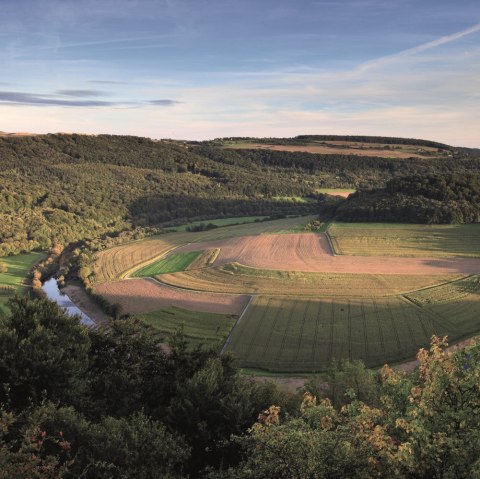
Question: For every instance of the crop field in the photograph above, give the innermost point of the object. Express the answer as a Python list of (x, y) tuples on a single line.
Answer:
[(311, 252), (306, 335), (238, 279), (391, 239), (170, 264), (344, 148), (144, 295), (12, 281), (207, 328), (114, 263), (300, 305), (205, 259)]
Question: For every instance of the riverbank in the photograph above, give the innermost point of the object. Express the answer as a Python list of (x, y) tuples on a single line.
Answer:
[(85, 303)]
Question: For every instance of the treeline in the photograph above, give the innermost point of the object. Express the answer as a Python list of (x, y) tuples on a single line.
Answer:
[(386, 140), (108, 404), (417, 199), (59, 189), (304, 139)]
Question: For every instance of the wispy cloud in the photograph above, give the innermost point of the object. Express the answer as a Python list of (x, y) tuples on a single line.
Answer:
[(80, 93), (58, 99), (20, 98), (108, 82), (419, 48), (163, 102)]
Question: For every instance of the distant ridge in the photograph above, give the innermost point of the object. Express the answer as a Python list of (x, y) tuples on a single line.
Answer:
[(20, 133)]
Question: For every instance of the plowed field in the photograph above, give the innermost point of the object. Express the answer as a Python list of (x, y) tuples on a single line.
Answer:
[(145, 295), (310, 252)]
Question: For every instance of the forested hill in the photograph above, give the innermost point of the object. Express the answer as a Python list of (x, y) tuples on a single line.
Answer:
[(431, 199), (65, 187)]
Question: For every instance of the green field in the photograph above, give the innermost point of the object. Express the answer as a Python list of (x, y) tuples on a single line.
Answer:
[(305, 335), (13, 280), (222, 222), (207, 328), (170, 264), (396, 239)]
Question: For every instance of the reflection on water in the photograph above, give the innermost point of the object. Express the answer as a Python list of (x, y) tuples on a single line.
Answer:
[(54, 294)]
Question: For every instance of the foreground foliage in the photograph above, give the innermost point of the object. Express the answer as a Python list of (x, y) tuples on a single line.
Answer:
[(110, 404)]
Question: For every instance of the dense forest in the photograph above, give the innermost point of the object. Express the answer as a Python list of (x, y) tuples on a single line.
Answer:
[(58, 189), (427, 199), (110, 404)]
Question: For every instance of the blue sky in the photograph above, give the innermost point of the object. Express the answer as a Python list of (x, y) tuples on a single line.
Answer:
[(209, 68)]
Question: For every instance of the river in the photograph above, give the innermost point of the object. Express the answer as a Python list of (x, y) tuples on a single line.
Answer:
[(54, 294)]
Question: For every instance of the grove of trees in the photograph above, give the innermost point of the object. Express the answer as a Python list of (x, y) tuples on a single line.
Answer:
[(108, 403)]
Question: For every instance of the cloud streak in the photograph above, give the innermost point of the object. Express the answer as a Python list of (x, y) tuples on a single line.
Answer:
[(80, 93), (20, 98), (444, 40), (58, 99), (163, 102)]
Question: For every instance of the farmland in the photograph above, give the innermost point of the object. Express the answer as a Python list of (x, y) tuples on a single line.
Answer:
[(343, 147), (208, 328), (392, 239), (292, 335), (13, 280), (170, 264), (116, 262), (238, 279), (300, 305), (146, 295)]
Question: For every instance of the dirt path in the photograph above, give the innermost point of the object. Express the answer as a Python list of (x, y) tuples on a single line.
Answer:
[(310, 252)]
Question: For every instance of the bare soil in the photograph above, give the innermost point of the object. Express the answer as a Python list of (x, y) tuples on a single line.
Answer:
[(84, 302), (311, 252), (145, 295)]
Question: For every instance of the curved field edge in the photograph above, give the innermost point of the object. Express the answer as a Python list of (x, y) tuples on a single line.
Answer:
[(305, 335), (146, 294), (167, 264), (120, 261), (238, 279), (398, 239)]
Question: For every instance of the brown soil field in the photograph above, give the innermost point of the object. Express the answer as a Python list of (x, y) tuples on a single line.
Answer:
[(343, 194), (310, 252), (145, 295), (332, 149), (114, 263)]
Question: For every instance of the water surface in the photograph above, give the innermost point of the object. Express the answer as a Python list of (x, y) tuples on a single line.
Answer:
[(54, 294)]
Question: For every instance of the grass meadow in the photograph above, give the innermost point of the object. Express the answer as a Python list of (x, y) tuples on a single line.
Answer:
[(208, 328), (12, 282)]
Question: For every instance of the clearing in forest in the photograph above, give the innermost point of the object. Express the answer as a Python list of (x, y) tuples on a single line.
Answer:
[(345, 148), (13, 281)]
